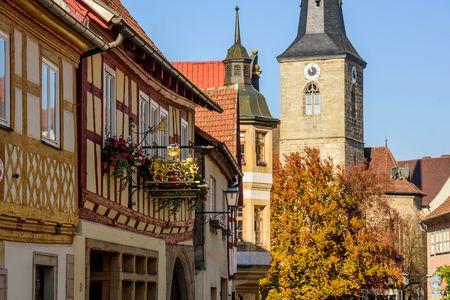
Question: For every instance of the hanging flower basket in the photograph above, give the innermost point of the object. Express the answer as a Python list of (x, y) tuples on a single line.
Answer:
[(123, 158)]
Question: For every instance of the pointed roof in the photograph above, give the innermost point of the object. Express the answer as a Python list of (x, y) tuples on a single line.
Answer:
[(321, 32), (380, 161), (237, 51)]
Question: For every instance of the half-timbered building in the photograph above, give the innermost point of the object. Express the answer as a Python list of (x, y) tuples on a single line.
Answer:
[(39, 55), (130, 243)]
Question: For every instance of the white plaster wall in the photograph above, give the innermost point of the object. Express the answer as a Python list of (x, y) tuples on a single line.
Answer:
[(69, 131), (19, 263), (33, 117), (68, 81), (443, 194), (18, 52), (257, 195), (255, 177), (216, 261), (18, 111), (109, 234), (33, 60)]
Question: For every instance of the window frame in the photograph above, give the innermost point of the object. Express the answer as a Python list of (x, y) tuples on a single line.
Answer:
[(242, 136), (312, 100), (259, 162), (163, 134), (144, 120), (184, 139), (46, 260), (7, 88), (113, 102), (51, 65), (258, 224)]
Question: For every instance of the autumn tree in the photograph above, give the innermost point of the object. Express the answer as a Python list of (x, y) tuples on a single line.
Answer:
[(332, 231)]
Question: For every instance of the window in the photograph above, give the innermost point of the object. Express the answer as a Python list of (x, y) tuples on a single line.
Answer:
[(4, 80), (109, 95), (237, 70), (440, 241), (228, 70), (312, 100), (50, 103), (260, 149), (45, 270), (239, 229), (247, 70), (154, 117), (184, 138), (243, 148), (432, 244), (258, 224), (164, 131), (212, 194), (145, 123)]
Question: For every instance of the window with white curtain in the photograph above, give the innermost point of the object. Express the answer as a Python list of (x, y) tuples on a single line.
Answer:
[(4, 80), (50, 103), (109, 101), (145, 122), (184, 138)]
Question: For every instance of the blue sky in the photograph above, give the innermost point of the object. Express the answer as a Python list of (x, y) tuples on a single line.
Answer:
[(406, 44)]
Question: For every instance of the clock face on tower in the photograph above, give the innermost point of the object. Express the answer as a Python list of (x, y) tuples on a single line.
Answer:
[(354, 74), (312, 71)]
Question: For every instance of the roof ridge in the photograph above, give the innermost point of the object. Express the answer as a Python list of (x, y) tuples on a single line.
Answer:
[(196, 62)]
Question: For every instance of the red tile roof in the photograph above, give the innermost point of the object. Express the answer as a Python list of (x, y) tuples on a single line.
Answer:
[(442, 210), (381, 161), (429, 174), (205, 74), (225, 126)]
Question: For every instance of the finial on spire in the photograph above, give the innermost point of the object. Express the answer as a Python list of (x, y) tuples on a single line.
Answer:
[(386, 142), (237, 30)]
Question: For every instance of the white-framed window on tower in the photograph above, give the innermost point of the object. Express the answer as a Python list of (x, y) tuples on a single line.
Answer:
[(312, 100), (184, 138), (4, 80), (50, 103), (109, 100), (145, 120)]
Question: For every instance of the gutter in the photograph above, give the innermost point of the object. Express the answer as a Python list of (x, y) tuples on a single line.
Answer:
[(63, 15), (124, 31), (231, 159)]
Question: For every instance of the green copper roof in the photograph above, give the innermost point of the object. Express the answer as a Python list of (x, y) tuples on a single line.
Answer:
[(253, 106), (237, 51)]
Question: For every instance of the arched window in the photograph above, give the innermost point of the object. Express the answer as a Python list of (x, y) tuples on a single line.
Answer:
[(237, 70), (246, 70), (228, 70), (353, 103), (312, 100)]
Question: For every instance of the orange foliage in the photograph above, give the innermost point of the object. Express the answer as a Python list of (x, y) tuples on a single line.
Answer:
[(332, 231)]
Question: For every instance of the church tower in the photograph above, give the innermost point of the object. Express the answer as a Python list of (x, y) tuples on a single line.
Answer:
[(321, 85)]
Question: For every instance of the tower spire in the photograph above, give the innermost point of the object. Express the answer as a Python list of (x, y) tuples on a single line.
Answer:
[(321, 32), (237, 29)]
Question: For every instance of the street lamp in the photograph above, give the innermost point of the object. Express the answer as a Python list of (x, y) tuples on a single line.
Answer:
[(232, 196)]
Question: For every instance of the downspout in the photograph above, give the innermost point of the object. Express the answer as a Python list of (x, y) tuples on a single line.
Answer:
[(63, 15)]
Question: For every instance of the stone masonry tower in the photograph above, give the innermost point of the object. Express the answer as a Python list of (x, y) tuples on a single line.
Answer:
[(322, 87)]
